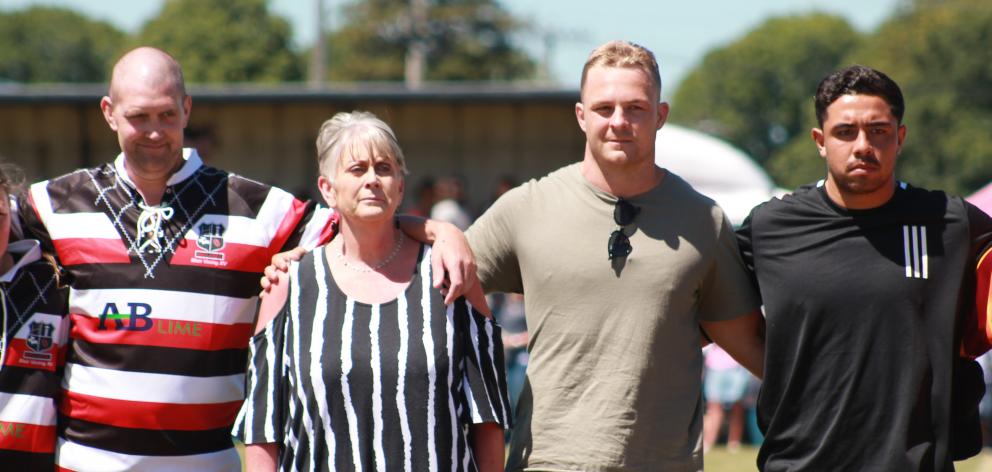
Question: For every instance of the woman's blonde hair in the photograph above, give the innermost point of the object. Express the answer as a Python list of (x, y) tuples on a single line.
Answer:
[(354, 133)]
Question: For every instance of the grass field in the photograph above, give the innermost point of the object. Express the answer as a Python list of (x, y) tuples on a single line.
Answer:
[(719, 460)]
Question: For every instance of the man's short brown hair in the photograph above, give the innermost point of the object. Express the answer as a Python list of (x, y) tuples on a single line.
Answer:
[(623, 54)]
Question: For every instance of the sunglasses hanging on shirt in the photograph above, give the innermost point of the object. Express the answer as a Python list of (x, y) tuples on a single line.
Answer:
[(624, 213)]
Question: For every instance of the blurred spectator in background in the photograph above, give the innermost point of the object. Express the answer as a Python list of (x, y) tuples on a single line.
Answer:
[(201, 138), (508, 309), (725, 384), (450, 206), (503, 185), (424, 196)]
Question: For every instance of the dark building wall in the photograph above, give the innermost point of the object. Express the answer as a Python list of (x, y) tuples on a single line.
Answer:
[(270, 137)]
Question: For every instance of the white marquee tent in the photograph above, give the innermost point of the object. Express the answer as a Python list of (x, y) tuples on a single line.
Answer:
[(715, 169)]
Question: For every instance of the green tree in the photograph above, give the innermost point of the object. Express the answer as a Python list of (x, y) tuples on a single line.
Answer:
[(225, 40), (937, 50), (755, 92), (939, 54), (43, 44), (463, 39)]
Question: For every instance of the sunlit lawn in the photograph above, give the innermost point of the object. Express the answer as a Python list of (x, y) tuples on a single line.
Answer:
[(719, 460)]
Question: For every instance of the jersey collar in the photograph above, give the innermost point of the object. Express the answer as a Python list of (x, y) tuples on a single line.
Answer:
[(191, 164), (29, 251)]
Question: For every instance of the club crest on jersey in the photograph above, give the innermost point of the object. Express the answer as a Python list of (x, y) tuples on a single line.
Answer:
[(40, 340), (209, 244)]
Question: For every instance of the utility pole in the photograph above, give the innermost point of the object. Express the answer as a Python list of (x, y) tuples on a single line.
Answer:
[(416, 51), (318, 59)]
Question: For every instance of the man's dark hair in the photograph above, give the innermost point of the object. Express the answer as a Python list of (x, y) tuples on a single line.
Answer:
[(858, 80)]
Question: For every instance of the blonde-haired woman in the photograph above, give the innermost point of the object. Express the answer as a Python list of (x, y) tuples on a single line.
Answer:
[(358, 364)]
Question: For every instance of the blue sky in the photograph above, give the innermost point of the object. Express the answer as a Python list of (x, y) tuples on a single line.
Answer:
[(679, 32)]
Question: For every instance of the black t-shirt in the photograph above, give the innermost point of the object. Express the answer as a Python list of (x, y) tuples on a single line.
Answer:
[(862, 311)]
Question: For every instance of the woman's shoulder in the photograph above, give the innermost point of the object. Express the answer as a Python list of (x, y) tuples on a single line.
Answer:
[(273, 299)]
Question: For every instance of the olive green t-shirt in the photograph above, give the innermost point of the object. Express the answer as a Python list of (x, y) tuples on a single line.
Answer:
[(614, 376)]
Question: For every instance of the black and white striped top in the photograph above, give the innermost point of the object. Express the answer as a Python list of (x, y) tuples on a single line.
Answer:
[(343, 385)]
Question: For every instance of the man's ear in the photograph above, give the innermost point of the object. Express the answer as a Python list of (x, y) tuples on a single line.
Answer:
[(818, 137), (187, 108), (580, 115), (902, 137), (663, 109), (107, 107)]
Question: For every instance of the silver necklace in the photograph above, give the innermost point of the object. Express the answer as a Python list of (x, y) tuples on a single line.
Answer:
[(368, 268)]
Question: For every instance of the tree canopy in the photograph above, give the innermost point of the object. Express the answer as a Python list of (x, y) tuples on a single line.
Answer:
[(758, 91), (46, 44), (464, 40), (939, 54), (224, 40)]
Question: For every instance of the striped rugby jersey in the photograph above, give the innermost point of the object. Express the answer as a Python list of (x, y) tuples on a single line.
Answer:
[(162, 303), (35, 329), (344, 385)]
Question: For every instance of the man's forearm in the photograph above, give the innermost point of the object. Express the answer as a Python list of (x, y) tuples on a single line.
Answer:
[(452, 262), (418, 228), (743, 338)]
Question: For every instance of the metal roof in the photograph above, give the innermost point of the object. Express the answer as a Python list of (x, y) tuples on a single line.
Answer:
[(297, 92)]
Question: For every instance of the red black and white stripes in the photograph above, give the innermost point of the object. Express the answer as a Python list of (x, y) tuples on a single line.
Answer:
[(162, 303), (35, 330)]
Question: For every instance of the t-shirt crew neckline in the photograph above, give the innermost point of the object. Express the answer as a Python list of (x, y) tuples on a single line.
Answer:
[(336, 289), (612, 199), (896, 196)]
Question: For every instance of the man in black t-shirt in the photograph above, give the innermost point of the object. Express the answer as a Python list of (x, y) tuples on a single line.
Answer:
[(869, 289)]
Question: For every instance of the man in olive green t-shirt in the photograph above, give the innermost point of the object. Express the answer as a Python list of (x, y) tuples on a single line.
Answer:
[(621, 263)]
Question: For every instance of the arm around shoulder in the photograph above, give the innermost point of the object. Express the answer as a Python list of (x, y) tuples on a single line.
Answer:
[(743, 338), (452, 261)]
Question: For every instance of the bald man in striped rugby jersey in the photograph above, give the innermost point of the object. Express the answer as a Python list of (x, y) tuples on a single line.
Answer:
[(163, 255)]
